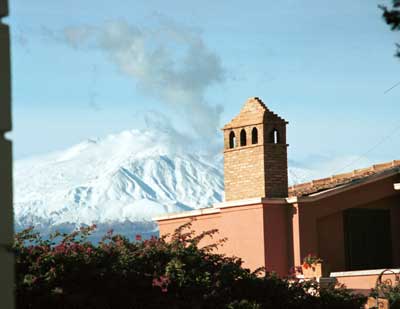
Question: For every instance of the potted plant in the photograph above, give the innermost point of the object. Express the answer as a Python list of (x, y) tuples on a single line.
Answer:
[(312, 266)]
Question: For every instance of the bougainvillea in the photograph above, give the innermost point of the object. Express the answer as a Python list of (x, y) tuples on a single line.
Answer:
[(67, 271)]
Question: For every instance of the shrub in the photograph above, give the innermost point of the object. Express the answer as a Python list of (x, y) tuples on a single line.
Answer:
[(389, 291), (67, 271)]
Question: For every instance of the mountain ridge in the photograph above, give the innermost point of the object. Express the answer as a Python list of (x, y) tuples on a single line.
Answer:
[(127, 177)]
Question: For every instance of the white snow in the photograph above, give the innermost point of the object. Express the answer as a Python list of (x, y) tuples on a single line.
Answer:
[(126, 177), (130, 176)]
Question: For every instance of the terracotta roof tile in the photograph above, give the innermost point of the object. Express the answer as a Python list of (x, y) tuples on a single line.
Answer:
[(323, 184)]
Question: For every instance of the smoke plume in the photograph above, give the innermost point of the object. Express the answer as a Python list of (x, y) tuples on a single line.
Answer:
[(170, 63)]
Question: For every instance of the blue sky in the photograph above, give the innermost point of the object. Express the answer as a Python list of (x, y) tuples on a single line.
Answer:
[(323, 67)]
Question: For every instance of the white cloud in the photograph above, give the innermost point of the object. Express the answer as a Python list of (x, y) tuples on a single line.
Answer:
[(170, 63)]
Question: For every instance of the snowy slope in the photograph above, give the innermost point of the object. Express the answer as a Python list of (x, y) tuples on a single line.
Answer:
[(129, 176), (120, 179)]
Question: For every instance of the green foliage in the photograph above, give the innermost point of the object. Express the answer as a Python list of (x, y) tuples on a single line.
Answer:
[(243, 304), (340, 297), (311, 259), (67, 271), (389, 291), (392, 18)]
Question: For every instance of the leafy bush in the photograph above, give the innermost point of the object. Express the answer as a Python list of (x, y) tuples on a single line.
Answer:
[(67, 271), (389, 291)]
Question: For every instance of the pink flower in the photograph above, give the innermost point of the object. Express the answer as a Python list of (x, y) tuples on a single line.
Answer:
[(161, 282), (138, 237), (59, 248), (156, 282)]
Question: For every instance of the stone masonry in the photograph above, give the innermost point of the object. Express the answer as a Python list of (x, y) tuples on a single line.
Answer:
[(258, 168), (6, 210)]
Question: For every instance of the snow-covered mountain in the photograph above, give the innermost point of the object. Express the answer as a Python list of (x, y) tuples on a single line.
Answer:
[(127, 177), (120, 181)]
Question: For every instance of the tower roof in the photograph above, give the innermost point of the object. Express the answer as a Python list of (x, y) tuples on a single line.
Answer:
[(253, 112)]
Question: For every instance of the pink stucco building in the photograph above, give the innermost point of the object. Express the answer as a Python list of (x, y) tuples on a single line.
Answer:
[(350, 220)]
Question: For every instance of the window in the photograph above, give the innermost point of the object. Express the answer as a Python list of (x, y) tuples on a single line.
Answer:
[(232, 140), (254, 136), (243, 137), (275, 136)]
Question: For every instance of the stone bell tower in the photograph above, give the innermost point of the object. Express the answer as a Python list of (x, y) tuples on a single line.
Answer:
[(255, 153)]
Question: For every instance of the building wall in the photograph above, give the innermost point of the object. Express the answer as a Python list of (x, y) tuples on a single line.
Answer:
[(256, 233), (331, 241), (278, 235), (320, 224), (294, 235), (255, 170), (276, 238), (364, 281), (242, 226), (276, 170), (6, 210), (244, 172)]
